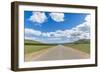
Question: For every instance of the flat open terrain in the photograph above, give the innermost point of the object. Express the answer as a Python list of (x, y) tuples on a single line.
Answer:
[(58, 52), (36, 51), (35, 48), (82, 47)]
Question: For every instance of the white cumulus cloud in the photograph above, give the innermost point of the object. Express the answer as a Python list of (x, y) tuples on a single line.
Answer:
[(58, 17), (32, 32), (81, 31), (88, 19), (38, 17)]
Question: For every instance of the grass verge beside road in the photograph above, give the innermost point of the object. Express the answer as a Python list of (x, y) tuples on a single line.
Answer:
[(35, 48), (82, 47)]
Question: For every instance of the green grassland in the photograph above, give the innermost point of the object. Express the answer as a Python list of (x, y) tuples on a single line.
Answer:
[(34, 46), (81, 46)]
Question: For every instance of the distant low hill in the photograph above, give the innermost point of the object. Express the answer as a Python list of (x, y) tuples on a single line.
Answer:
[(82, 41), (31, 42)]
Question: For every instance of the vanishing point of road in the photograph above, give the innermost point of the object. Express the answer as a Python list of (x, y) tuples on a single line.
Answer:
[(59, 52)]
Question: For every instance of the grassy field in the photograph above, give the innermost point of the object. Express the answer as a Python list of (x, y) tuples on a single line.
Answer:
[(82, 47), (35, 48)]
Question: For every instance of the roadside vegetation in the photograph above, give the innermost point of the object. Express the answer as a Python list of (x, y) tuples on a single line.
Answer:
[(82, 45), (34, 46)]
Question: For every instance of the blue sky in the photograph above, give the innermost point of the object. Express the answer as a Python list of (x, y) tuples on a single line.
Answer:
[(51, 27)]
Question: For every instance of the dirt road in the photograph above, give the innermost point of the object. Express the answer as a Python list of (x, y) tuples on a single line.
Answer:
[(59, 52)]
